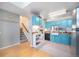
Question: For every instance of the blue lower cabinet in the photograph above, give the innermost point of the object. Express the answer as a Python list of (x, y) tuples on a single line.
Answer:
[(61, 38)]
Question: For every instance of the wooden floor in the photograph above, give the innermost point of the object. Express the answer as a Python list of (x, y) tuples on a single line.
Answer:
[(58, 50), (22, 50)]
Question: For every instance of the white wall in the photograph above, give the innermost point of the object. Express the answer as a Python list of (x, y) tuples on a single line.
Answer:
[(9, 29), (30, 28)]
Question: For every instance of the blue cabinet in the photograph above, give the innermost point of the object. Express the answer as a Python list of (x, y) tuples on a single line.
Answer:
[(61, 38), (36, 20), (63, 23)]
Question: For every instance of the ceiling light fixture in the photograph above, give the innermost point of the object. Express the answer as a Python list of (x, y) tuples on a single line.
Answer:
[(57, 13)]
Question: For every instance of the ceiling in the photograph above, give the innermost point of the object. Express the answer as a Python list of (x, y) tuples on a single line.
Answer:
[(42, 8)]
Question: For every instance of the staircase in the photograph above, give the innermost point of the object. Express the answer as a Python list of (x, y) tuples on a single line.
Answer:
[(23, 38)]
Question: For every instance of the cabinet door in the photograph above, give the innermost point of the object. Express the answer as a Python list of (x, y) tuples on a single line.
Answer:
[(36, 20)]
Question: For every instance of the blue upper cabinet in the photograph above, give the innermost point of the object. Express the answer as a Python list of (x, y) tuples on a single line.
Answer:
[(63, 23), (36, 20)]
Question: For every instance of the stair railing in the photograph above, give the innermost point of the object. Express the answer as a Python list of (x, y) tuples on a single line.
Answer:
[(25, 27), (27, 32)]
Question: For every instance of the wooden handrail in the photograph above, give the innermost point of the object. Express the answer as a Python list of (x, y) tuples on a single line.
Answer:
[(24, 27)]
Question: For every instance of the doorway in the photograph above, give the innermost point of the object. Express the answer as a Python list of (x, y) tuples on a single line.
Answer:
[(23, 29)]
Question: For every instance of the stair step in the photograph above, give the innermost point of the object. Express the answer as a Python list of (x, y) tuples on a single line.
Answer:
[(24, 41), (23, 38), (22, 35)]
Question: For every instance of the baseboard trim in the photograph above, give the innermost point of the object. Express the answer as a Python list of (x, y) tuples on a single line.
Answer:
[(9, 46)]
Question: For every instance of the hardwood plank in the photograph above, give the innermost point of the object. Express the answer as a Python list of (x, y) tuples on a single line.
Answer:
[(22, 50)]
